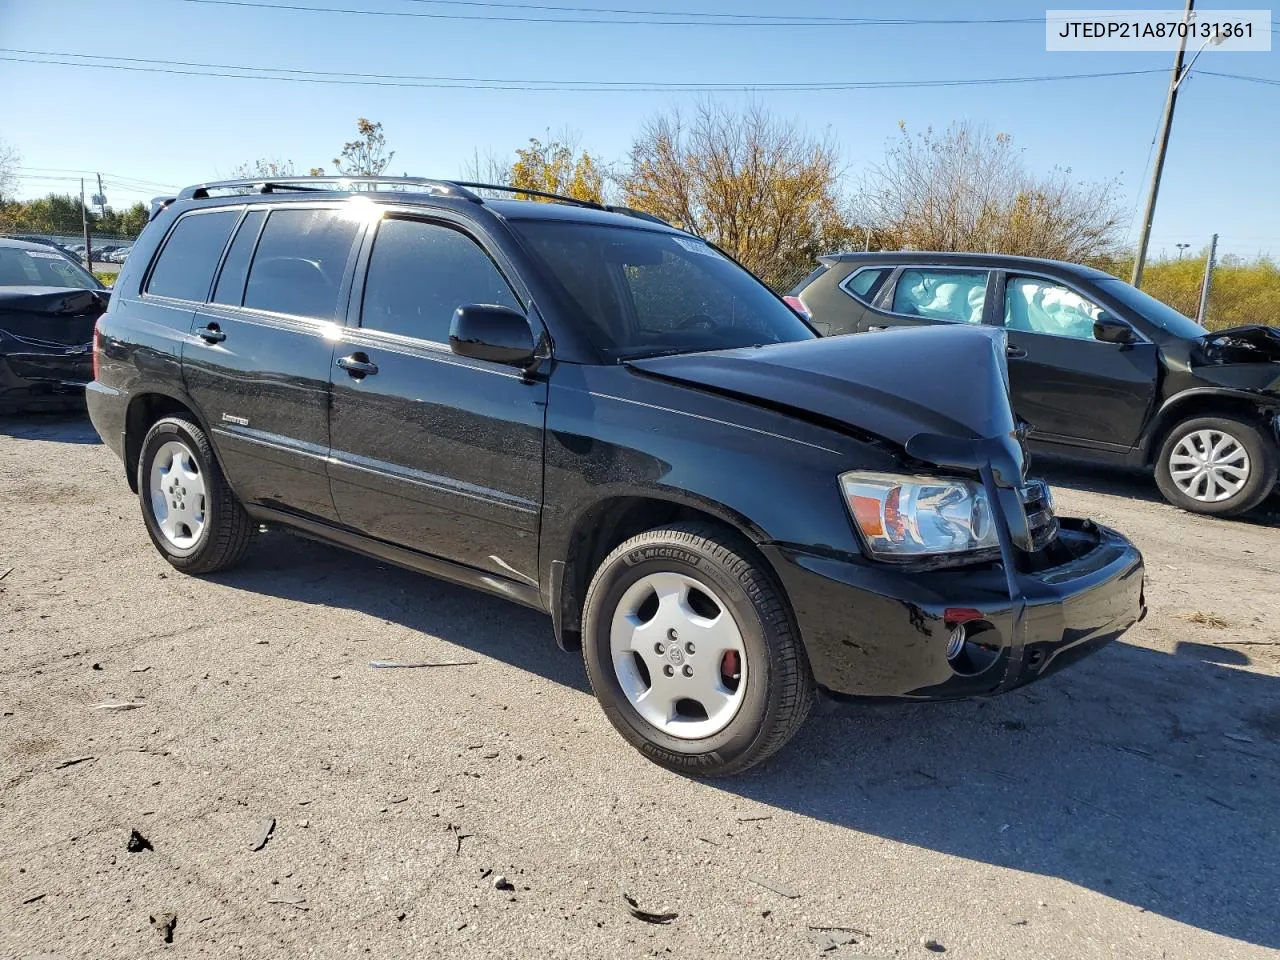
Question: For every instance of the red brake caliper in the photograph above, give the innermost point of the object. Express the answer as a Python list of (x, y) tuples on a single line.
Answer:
[(729, 667)]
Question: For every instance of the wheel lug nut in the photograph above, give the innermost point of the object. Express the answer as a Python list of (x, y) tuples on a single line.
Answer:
[(669, 670), (672, 635), (659, 649), (688, 648), (688, 670)]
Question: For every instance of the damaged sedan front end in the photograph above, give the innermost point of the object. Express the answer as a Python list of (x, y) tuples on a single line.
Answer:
[(48, 308)]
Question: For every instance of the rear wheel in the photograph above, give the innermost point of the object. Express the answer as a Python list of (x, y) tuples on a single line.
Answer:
[(193, 518), (1217, 466), (692, 653)]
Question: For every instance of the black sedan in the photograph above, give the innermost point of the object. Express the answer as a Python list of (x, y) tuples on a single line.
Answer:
[(1100, 370), (48, 307)]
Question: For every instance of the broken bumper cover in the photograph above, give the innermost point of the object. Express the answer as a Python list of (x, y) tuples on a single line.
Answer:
[(871, 630)]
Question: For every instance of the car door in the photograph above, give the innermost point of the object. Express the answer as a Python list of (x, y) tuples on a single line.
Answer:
[(431, 451), (258, 359), (1071, 388), (919, 296)]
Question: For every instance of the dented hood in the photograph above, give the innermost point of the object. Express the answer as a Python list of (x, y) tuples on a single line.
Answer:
[(941, 393), (57, 315), (1254, 343)]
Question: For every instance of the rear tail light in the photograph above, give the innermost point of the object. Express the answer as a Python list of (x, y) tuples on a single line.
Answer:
[(796, 304)]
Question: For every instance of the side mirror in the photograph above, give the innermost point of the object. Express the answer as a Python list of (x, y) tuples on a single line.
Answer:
[(486, 331), (1107, 329)]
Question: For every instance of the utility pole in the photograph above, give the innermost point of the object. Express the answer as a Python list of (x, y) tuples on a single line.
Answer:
[(866, 244), (1203, 313), (101, 198), (84, 225), (1166, 124)]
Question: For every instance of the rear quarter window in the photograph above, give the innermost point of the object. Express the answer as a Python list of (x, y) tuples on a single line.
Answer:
[(190, 255)]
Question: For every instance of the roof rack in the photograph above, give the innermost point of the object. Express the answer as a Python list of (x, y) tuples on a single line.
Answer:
[(462, 189), (325, 184)]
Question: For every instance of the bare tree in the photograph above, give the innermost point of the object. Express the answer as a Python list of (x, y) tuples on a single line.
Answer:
[(969, 190), (264, 169), (760, 187), (9, 160), (366, 156)]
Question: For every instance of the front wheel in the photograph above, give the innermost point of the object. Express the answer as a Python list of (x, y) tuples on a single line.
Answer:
[(1217, 466), (691, 650), (194, 519)]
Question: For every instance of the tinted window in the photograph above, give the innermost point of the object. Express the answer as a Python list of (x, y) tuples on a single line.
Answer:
[(42, 268), (420, 273), (300, 261), (1042, 306), (235, 269), (865, 283), (185, 268), (954, 295), (638, 292), (1153, 310)]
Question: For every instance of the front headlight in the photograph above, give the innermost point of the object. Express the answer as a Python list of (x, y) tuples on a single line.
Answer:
[(917, 517)]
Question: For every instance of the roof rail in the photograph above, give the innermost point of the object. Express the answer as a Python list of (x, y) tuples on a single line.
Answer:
[(507, 188), (201, 191), (462, 189)]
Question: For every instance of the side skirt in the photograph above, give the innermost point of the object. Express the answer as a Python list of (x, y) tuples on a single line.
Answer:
[(522, 593)]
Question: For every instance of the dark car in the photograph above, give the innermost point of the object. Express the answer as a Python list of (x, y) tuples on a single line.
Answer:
[(1101, 371), (48, 306), (593, 414)]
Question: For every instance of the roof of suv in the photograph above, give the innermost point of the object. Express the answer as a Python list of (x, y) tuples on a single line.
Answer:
[(425, 192), (989, 260)]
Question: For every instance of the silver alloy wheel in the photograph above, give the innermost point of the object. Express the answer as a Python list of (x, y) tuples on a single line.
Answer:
[(1209, 466), (679, 655), (177, 494)]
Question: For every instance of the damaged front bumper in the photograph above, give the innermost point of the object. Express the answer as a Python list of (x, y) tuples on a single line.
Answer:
[(873, 630)]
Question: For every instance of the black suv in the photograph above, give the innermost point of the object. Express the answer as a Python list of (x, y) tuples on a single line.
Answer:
[(1100, 370), (601, 417)]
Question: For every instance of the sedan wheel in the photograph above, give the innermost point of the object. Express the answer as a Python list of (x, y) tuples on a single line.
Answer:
[(1209, 465), (1217, 465)]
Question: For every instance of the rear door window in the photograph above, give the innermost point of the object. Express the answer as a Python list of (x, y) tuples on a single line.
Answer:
[(190, 255), (235, 270), (300, 261), (956, 296)]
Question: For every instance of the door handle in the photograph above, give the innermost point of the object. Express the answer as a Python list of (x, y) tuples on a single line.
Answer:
[(1014, 353), (876, 328), (358, 365), (212, 334)]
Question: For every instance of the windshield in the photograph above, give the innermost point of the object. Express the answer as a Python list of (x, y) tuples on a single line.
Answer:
[(640, 293), (20, 267), (1161, 314)]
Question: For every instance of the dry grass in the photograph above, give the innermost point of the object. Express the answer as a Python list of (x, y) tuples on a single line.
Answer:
[(1204, 619)]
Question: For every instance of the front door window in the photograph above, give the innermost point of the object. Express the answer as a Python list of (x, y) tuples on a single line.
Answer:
[(1042, 306)]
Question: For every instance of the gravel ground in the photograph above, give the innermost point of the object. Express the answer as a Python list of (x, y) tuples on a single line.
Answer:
[(1126, 807)]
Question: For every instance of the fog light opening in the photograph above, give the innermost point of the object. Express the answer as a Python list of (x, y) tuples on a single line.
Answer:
[(973, 646)]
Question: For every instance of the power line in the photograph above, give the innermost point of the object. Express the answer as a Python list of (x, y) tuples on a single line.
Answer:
[(1238, 76), (480, 83), (744, 20), (119, 177)]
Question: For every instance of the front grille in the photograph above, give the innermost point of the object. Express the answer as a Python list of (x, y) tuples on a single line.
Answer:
[(1037, 501)]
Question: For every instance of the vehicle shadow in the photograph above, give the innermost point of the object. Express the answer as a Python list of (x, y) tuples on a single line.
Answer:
[(1144, 776), (60, 427), (1131, 484)]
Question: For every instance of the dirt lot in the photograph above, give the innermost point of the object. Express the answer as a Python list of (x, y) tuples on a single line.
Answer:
[(1125, 808)]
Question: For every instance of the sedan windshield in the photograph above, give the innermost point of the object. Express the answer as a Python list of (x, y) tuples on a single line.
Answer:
[(20, 267), (1153, 310), (640, 293)]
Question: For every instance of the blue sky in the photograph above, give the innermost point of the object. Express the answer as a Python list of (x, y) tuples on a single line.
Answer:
[(173, 129)]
